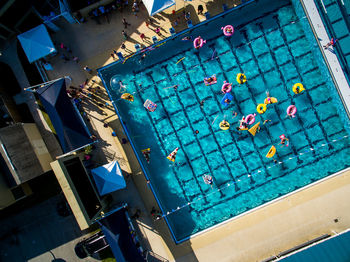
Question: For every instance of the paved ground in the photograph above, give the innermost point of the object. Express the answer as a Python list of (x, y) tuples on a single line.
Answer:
[(253, 236), (40, 234)]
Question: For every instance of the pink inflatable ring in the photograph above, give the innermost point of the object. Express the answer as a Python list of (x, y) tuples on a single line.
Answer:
[(250, 119), (226, 87), (198, 42), (228, 30), (291, 110)]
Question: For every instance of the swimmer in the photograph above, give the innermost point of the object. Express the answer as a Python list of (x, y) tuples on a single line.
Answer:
[(243, 123), (297, 89), (122, 87), (241, 78), (284, 140), (227, 101), (266, 121), (142, 57), (201, 103), (175, 87), (268, 97), (229, 30), (210, 79), (225, 88), (234, 114), (224, 123), (196, 132), (187, 38)]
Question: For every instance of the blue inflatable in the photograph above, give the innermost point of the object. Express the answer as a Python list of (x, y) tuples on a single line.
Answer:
[(227, 99)]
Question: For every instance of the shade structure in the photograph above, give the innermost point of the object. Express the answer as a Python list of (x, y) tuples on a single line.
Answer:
[(36, 43), (156, 6), (68, 124), (108, 178)]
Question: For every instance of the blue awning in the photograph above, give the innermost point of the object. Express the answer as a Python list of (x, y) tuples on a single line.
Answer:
[(156, 6), (120, 236), (69, 126), (108, 178), (36, 43)]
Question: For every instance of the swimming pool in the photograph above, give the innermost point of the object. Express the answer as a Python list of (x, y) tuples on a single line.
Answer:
[(274, 46)]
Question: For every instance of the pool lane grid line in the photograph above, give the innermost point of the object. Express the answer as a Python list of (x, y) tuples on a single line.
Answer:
[(252, 97), (253, 174), (210, 126), (176, 135), (192, 128), (290, 97), (163, 148), (301, 78)]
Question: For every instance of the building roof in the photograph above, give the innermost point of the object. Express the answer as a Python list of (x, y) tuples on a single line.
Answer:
[(19, 155), (69, 125)]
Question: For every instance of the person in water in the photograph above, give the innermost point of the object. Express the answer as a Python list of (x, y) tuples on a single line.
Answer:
[(227, 101), (225, 88), (268, 97), (241, 78), (210, 79), (284, 140), (224, 124), (187, 38)]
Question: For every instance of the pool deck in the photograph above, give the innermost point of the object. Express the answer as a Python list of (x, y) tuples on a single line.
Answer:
[(254, 236)]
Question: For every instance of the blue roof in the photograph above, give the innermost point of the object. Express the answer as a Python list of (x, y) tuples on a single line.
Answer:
[(335, 249), (36, 43), (69, 126), (108, 178), (117, 231), (156, 6)]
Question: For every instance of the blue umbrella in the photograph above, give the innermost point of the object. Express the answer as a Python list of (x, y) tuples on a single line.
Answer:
[(156, 6), (108, 178)]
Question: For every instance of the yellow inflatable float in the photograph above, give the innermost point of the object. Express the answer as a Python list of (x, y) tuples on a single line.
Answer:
[(224, 125), (128, 97), (270, 100), (298, 88), (261, 108), (241, 78), (271, 152)]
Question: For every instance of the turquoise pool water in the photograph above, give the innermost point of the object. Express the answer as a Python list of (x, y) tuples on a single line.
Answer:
[(275, 48)]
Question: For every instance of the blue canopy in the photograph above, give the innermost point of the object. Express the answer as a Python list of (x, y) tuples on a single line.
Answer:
[(108, 178), (120, 235), (156, 6), (69, 126), (36, 43)]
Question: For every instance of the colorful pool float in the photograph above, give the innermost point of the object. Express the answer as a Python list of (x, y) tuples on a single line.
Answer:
[(128, 97), (212, 82), (298, 88), (150, 106), (261, 108), (241, 78), (250, 119), (228, 30), (291, 110), (226, 87), (226, 100), (271, 152), (198, 42), (270, 100), (224, 125)]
